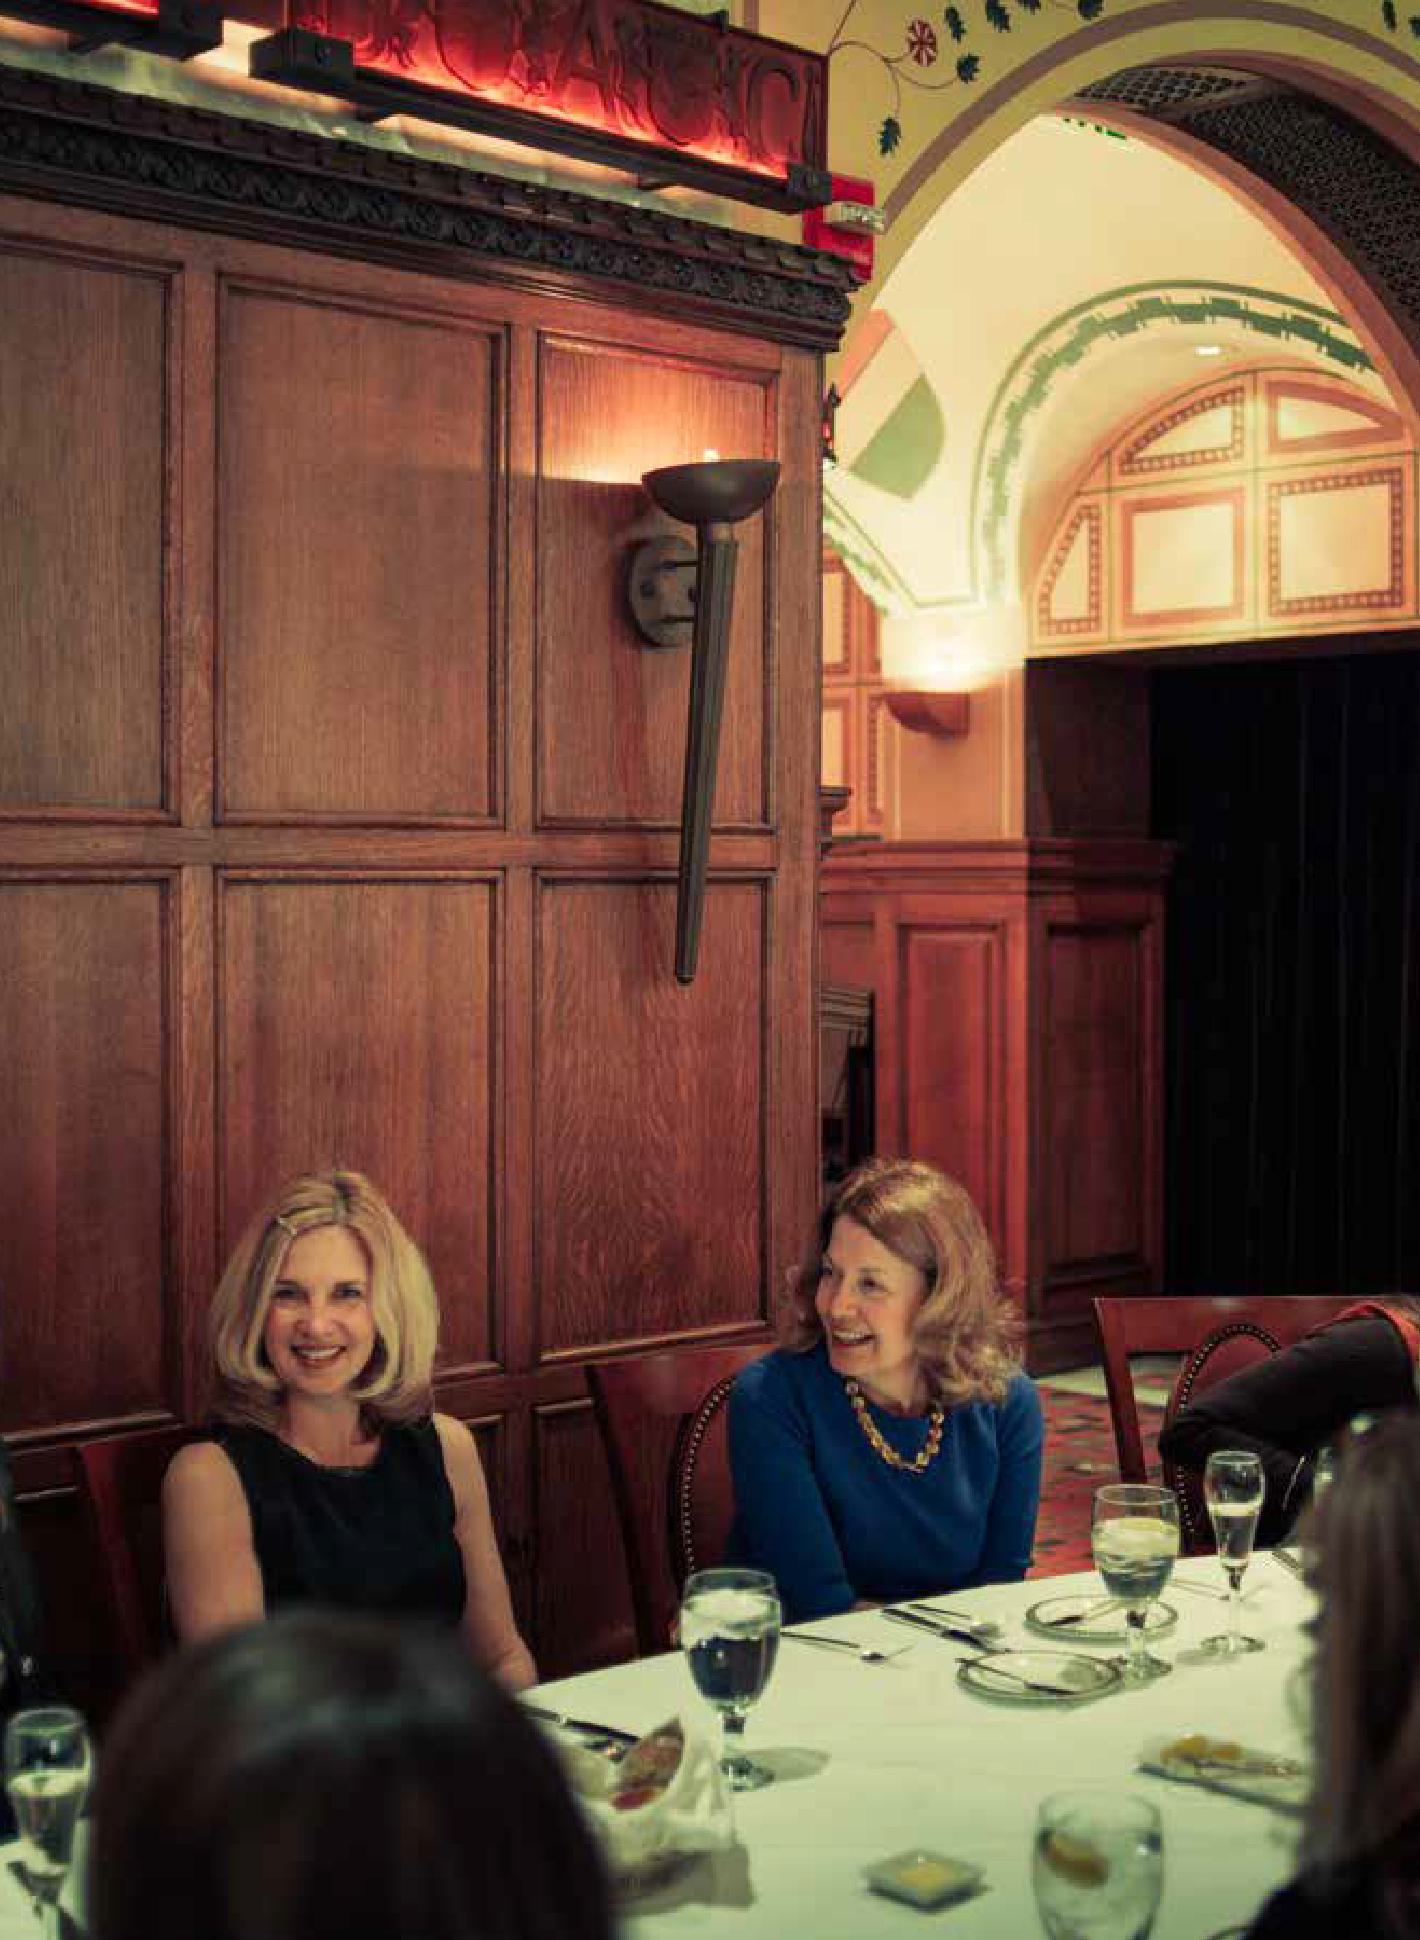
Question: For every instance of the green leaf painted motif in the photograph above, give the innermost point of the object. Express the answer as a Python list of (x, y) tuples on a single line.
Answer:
[(1388, 15), (1029, 6), (968, 67), (889, 135), (998, 16), (954, 23), (1089, 9)]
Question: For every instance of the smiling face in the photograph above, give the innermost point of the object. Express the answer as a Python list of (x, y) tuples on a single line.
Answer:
[(868, 1300), (320, 1327)]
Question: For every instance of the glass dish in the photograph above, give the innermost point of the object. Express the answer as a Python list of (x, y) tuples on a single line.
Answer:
[(1039, 1676), (1045, 1618)]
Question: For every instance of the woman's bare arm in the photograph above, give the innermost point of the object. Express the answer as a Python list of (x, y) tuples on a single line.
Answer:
[(214, 1579), (489, 1623)]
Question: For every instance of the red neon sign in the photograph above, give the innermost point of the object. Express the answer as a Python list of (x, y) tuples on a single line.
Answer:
[(593, 77)]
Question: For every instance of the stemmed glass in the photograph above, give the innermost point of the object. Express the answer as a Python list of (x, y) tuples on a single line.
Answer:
[(1135, 1541), (1233, 1488), (1097, 1866), (729, 1630), (47, 1760)]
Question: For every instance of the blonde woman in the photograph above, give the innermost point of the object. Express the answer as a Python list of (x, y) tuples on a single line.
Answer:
[(328, 1479), (1360, 1873), (891, 1448)]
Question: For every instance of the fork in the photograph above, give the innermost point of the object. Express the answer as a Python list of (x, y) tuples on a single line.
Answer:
[(863, 1652)]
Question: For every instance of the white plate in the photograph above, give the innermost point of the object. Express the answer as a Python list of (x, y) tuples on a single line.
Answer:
[(1039, 1676), (1108, 1629)]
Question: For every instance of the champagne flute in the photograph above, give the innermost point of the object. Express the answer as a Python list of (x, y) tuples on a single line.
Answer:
[(1097, 1866), (1135, 1540), (729, 1630), (1233, 1488), (47, 1761)]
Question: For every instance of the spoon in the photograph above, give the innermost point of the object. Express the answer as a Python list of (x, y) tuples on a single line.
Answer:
[(863, 1652)]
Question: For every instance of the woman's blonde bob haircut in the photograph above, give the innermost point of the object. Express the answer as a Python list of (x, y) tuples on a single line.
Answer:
[(1364, 1536), (966, 1330), (395, 1385)]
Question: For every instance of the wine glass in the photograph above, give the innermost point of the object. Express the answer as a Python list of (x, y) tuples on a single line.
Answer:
[(47, 1760), (1233, 1488), (1097, 1866), (1135, 1541), (729, 1630)]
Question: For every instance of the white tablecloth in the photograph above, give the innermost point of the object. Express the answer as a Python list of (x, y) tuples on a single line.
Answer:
[(876, 1759)]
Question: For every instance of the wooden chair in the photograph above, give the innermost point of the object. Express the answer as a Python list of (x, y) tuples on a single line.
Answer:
[(1215, 1337), (120, 1484), (663, 1426)]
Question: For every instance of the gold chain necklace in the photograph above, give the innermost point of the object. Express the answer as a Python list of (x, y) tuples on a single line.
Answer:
[(924, 1457)]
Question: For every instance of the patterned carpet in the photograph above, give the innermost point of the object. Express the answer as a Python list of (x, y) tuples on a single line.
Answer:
[(1079, 1458)]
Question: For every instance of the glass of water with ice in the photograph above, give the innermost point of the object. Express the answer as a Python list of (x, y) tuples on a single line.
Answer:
[(1134, 1536), (1097, 1866), (47, 1759), (1233, 1488), (729, 1631)]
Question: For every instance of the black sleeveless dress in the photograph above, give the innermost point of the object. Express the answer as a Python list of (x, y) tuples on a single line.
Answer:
[(377, 1539)]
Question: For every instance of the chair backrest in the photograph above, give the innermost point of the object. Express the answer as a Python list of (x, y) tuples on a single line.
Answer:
[(662, 1421), (120, 1483), (1215, 1337)]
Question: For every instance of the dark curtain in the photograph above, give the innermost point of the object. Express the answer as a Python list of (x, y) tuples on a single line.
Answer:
[(1292, 1145)]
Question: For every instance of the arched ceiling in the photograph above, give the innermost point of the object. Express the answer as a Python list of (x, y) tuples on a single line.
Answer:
[(1068, 282)]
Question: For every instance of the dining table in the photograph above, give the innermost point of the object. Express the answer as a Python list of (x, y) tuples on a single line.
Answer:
[(872, 1759)]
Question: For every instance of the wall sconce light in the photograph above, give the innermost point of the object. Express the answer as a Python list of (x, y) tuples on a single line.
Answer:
[(675, 589), (927, 712)]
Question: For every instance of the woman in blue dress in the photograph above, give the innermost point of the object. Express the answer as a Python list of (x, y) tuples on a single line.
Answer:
[(891, 1447)]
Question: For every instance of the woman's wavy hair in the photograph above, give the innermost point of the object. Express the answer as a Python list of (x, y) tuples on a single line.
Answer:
[(966, 1331), (322, 1776), (1364, 1539), (395, 1385)]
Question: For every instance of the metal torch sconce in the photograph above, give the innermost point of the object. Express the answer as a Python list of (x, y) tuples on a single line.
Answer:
[(677, 589)]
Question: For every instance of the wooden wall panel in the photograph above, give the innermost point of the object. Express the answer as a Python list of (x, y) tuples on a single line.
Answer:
[(358, 1030), (360, 555), (1018, 1046), (674, 1126), (611, 722), (1102, 1099), (84, 1276), (580, 1598), (84, 456), (952, 1000)]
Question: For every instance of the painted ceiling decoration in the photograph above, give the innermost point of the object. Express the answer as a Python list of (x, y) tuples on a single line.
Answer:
[(1054, 354), (937, 53), (1270, 501), (1039, 366), (893, 432)]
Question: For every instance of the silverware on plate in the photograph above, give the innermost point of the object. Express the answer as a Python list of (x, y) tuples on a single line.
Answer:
[(1018, 1678)]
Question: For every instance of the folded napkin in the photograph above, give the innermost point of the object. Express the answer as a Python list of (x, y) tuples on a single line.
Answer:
[(666, 1797)]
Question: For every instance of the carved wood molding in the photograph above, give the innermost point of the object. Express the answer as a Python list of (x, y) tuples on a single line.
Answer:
[(73, 142)]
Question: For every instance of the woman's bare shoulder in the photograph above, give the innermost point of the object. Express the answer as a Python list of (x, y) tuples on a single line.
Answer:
[(200, 1472)]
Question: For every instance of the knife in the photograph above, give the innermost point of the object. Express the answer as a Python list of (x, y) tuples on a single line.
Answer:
[(1027, 1683), (938, 1627), (585, 1727)]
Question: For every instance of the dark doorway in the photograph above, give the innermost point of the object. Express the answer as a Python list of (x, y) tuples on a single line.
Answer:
[(1293, 1056)]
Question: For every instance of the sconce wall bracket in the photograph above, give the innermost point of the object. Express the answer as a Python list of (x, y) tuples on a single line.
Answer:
[(661, 590)]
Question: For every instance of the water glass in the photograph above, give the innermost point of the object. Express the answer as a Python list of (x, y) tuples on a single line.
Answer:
[(1135, 1541), (729, 1630), (1233, 1488), (47, 1763), (1097, 1866)]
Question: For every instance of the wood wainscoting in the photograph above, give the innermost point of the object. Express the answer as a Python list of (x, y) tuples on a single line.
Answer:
[(338, 799), (1018, 1036)]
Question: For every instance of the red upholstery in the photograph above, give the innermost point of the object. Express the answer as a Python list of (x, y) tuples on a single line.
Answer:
[(120, 1483), (663, 1425)]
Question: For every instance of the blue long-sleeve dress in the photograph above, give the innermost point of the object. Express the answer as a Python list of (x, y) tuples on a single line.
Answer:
[(819, 1509)]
